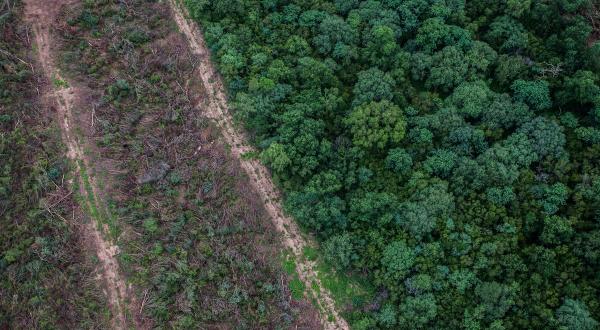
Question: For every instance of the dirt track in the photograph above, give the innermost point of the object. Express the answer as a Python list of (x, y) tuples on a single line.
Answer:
[(62, 97), (218, 110)]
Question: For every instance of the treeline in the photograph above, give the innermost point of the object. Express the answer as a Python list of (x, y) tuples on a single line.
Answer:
[(46, 277), (449, 151)]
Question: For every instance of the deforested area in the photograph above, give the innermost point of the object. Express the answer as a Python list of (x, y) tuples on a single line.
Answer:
[(47, 274), (445, 153), (194, 240)]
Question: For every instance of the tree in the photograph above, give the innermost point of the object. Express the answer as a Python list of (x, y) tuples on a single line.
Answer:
[(276, 157), (297, 46), (517, 8), (496, 298), (324, 214), (551, 198), (376, 125), (373, 85), (449, 69), (480, 56), (440, 163), (502, 162), (471, 98), (580, 88), (427, 204), (421, 136), (414, 218), (505, 114), (399, 161), (418, 284), (435, 34), (315, 73), (500, 196), (467, 141), (509, 68), (417, 312), (381, 46), (468, 176), (420, 65), (557, 230), (232, 63), (535, 94), (387, 316), (333, 30), (311, 19), (345, 54), (462, 279), (546, 135), (339, 251), (589, 135), (372, 208), (344, 6), (507, 34), (397, 261), (573, 315)]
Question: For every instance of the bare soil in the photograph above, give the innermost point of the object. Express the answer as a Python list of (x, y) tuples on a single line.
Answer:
[(216, 108), (63, 97)]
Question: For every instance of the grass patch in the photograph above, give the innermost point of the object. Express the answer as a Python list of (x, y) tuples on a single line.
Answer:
[(345, 289), (101, 216), (297, 288), (289, 265), (58, 82), (250, 155), (310, 253)]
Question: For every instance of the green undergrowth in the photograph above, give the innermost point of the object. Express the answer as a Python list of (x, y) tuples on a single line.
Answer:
[(58, 82), (98, 210), (297, 287), (46, 276), (349, 292)]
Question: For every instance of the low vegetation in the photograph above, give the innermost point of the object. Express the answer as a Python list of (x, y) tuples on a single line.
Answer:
[(47, 277), (195, 240)]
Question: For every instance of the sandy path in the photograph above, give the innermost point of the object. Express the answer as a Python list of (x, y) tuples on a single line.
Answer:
[(41, 15), (218, 110)]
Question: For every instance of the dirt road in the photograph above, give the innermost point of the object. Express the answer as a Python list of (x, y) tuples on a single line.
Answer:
[(62, 97), (218, 110)]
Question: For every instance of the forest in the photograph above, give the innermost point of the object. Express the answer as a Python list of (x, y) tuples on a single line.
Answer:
[(446, 151)]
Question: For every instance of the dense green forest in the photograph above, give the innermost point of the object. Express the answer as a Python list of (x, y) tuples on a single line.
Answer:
[(446, 150), (47, 280)]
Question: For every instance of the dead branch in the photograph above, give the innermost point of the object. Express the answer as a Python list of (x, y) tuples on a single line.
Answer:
[(60, 200), (17, 58)]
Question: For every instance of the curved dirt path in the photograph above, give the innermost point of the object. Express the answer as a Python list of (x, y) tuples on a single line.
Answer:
[(218, 110), (62, 97)]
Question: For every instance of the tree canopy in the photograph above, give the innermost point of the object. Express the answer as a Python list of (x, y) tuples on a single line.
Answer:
[(445, 151)]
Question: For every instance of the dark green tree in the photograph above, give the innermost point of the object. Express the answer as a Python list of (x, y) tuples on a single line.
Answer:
[(573, 314)]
